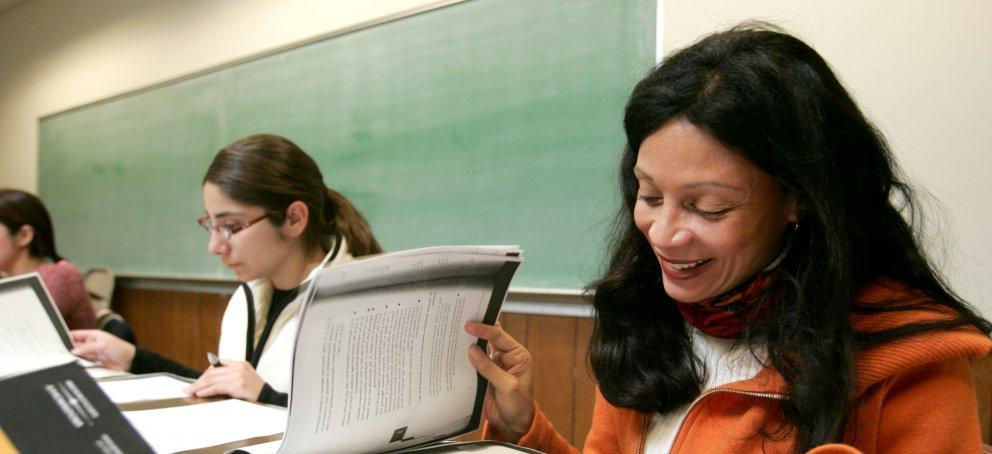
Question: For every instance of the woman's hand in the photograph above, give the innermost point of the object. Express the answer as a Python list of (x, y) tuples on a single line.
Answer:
[(232, 378), (103, 348), (509, 405)]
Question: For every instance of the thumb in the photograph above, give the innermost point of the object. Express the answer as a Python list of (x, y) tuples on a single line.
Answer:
[(85, 350)]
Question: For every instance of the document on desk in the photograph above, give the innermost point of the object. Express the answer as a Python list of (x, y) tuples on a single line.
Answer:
[(470, 447), (138, 388), (99, 373), (50, 404), (381, 359), (208, 424)]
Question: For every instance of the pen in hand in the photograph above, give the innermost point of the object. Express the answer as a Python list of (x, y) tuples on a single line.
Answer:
[(213, 360)]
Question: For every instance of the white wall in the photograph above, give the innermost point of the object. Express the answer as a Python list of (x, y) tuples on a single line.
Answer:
[(58, 54), (920, 69)]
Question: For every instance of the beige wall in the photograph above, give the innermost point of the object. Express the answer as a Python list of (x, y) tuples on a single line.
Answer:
[(920, 69), (58, 54)]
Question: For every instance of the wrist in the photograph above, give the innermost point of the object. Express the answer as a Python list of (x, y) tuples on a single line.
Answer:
[(130, 351), (515, 431)]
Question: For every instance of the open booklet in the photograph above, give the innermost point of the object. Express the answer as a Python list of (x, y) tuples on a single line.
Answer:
[(381, 360), (50, 403)]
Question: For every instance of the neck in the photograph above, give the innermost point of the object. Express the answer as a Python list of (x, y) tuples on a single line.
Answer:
[(25, 263), (297, 268), (728, 315)]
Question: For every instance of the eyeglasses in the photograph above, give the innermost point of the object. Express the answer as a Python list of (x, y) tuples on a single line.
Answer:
[(226, 231)]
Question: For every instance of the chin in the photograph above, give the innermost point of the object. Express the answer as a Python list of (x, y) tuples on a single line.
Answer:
[(686, 295), (242, 275)]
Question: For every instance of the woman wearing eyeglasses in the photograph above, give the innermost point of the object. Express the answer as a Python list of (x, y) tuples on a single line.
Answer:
[(274, 223)]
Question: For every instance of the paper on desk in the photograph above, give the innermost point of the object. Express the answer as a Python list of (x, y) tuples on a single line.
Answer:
[(487, 447), (272, 447), (202, 425), (143, 388), (99, 372)]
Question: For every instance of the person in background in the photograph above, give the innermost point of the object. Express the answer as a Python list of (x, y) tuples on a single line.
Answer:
[(765, 291), (274, 223), (27, 244)]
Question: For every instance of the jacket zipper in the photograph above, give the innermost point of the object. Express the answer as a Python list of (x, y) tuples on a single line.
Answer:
[(693, 405), (645, 422)]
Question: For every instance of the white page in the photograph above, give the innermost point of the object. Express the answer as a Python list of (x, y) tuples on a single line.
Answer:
[(468, 447), (99, 372), (410, 266), (142, 388), (385, 371), (198, 426), (28, 339)]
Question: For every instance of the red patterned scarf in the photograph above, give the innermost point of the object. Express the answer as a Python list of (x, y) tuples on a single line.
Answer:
[(726, 315)]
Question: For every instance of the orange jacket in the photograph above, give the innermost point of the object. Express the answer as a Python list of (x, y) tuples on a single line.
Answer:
[(913, 395)]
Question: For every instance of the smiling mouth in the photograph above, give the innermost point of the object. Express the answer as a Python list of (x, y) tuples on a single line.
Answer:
[(687, 266)]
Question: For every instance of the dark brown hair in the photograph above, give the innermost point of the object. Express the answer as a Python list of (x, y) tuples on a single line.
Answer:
[(271, 172), (19, 208)]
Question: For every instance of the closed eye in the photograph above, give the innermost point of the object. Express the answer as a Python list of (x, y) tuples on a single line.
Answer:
[(649, 199), (711, 214)]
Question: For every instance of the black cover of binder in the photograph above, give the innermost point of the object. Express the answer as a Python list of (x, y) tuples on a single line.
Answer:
[(61, 409)]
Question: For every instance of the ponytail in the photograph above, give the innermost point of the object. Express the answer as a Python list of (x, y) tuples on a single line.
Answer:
[(344, 218)]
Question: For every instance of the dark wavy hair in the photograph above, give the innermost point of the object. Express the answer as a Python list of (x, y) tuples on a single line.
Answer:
[(19, 208), (272, 172), (771, 98)]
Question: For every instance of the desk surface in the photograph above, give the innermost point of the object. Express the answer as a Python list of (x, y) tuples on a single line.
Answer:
[(184, 401), (170, 403)]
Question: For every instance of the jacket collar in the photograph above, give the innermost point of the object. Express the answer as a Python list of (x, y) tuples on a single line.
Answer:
[(873, 365)]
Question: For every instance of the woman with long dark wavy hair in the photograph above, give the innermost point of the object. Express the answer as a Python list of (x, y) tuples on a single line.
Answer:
[(766, 292)]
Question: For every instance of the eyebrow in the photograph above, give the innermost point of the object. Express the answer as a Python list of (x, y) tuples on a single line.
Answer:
[(225, 214), (694, 185), (719, 184)]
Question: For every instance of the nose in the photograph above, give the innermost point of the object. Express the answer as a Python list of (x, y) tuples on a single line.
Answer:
[(668, 230), (216, 245)]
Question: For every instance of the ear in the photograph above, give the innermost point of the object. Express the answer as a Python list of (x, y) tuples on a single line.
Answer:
[(24, 236), (297, 217)]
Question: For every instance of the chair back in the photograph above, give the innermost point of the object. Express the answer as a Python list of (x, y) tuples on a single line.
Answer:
[(99, 283)]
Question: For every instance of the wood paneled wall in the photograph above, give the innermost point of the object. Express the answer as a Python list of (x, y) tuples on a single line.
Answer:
[(182, 326), (563, 386), (185, 325)]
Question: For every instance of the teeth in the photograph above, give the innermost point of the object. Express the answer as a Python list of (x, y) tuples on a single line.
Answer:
[(686, 266)]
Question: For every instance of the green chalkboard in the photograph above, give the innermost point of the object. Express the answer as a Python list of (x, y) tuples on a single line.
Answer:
[(483, 122)]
